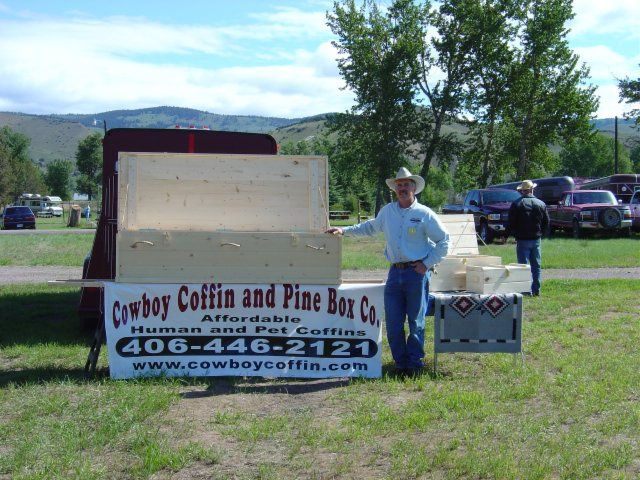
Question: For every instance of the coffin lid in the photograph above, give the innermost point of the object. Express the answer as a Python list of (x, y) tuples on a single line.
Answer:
[(222, 192)]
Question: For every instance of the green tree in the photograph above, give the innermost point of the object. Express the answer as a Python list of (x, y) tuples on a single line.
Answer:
[(548, 99), (378, 62), (634, 156), (89, 164), (437, 186), (58, 178), (593, 157), (20, 173), (492, 58), (630, 93), (295, 148), (449, 52)]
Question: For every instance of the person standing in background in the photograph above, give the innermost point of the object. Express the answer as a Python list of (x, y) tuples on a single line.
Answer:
[(528, 220)]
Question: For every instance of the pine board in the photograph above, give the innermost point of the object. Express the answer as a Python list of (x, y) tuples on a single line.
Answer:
[(228, 257)]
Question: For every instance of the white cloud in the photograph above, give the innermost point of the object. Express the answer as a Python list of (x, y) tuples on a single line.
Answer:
[(605, 64), (620, 17), (607, 67), (86, 65)]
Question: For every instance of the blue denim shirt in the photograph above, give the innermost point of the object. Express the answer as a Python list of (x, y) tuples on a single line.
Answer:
[(413, 233)]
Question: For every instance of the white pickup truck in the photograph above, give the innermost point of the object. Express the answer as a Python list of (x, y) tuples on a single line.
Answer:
[(634, 205)]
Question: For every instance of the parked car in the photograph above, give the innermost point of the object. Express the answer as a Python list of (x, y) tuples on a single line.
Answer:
[(18, 217), (579, 211), (490, 208)]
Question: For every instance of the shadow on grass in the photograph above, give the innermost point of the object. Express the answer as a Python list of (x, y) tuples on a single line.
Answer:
[(32, 317), (296, 386), (34, 376), (243, 385)]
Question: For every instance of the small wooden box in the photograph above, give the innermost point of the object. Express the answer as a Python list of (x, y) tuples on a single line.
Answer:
[(451, 273), (224, 218), (462, 233), (510, 278)]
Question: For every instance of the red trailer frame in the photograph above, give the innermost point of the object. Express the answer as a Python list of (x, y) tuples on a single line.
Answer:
[(100, 264)]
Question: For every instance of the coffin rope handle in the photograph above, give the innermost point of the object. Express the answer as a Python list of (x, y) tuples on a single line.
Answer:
[(146, 242), (229, 243), (314, 247)]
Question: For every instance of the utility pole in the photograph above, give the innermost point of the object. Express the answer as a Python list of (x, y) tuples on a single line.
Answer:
[(615, 148)]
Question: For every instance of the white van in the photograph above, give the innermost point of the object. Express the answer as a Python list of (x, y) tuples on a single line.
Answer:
[(42, 206)]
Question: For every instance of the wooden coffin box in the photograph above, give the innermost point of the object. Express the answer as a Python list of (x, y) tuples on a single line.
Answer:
[(224, 218), (510, 278), (462, 231), (451, 273)]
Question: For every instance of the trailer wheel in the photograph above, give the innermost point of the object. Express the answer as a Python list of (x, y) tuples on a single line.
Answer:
[(576, 229)]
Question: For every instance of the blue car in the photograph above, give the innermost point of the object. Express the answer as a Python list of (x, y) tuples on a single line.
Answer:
[(18, 217)]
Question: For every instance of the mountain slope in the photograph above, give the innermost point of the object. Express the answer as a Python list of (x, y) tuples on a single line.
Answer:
[(51, 138), (167, 117), (57, 136)]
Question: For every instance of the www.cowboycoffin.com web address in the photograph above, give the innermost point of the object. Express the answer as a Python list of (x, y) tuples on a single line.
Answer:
[(247, 365)]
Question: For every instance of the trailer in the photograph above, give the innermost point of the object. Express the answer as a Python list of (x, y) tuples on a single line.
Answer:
[(101, 263), (622, 185), (549, 189)]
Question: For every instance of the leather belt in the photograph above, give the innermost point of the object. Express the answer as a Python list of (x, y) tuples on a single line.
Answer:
[(402, 265)]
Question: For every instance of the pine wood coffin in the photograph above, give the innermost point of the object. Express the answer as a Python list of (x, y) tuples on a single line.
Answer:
[(510, 278), (451, 273), (224, 218)]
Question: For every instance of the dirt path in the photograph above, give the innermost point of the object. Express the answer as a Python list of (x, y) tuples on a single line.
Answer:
[(45, 273)]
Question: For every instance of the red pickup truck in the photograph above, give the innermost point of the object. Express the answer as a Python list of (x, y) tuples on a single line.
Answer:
[(579, 211)]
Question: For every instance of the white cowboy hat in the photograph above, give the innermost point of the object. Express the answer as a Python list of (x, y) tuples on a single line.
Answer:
[(403, 174), (527, 185)]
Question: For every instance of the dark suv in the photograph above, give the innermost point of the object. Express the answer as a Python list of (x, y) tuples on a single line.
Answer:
[(18, 217)]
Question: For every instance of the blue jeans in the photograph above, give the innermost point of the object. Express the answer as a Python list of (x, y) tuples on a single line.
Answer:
[(405, 297), (528, 251)]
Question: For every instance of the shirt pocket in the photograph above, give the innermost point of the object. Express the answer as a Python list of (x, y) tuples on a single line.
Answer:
[(415, 233)]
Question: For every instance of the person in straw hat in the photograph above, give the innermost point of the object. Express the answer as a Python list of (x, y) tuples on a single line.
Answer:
[(416, 241), (528, 220)]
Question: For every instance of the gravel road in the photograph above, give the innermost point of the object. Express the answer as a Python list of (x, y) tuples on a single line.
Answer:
[(44, 274)]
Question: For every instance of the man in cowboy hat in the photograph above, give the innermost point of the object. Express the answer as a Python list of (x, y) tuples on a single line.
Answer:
[(416, 240), (528, 220)]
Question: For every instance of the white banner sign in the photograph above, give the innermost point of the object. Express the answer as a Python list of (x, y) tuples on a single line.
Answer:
[(307, 331)]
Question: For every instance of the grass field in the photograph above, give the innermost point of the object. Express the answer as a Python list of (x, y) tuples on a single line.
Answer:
[(570, 411), (28, 250), (358, 253), (368, 252), (58, 223)]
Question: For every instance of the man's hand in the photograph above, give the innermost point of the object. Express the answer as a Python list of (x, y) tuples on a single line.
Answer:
[(334, 231), (420, 267)]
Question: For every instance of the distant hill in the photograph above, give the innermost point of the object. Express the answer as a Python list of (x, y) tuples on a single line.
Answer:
[(626, 128), (167, 117), (51, 138), (306, 130), (57, 136)]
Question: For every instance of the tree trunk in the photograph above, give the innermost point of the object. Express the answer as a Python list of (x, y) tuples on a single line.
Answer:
[(484, 180), (431, 148)]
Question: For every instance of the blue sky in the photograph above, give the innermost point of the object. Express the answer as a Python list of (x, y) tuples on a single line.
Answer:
[(270, 58)]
